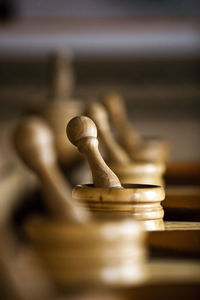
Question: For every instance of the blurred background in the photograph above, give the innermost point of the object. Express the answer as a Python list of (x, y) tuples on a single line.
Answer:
[(146, 50), (58, 56)]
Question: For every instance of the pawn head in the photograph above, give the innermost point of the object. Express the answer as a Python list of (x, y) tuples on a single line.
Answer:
[(34, 142), (80, 128)]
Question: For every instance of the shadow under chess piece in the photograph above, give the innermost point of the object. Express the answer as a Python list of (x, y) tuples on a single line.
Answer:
[(107, 197)]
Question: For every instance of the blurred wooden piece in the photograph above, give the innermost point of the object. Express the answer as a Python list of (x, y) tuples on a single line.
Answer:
[(34, 143), (60, 106), (141, 172), (21, 277), (168, 278), (136, 146), (116, 153), (94, 254), (62, 75), (82, 132), (128, 136), (128, 171)]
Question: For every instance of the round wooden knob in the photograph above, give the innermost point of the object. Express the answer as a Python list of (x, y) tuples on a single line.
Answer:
[(34, 142), (79, 128), (82, 132), (115, 152)]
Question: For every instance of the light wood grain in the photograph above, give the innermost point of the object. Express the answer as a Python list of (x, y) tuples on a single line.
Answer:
[(34, 144), (82, 132), (140, 202)]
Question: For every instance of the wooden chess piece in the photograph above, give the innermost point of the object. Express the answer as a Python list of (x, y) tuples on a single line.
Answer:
[(96, 253), (139, 148), (60, 106), (128, 171), (34, 143), (68, 248), (107, 197)]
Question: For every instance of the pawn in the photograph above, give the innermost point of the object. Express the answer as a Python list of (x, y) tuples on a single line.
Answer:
[(60, 106), (141, 201), (129, 171), (137, 147), (82, 133), (34, 143), (114, 251)]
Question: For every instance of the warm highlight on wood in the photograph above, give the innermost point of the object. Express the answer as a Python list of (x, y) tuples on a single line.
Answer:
[(34, 143), (82, 132)]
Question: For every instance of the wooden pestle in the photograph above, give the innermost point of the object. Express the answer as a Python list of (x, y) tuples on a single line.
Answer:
[(128, 136), (62, 75), (34, 143), (60, 106), (116, 153), (129, 171), (82, 132), (151, 149)]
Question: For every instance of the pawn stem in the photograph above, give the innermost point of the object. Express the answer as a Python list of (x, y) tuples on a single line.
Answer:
[(82, 132)]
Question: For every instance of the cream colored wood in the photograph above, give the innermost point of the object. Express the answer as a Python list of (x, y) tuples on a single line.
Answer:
[(115, 152), (141, 202), (34, 144), (108, 253), (82, 132), (140, 172), (152, 149)]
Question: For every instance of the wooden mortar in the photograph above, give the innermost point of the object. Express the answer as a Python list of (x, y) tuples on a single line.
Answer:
[(128, 170), (96, 253), (107, 197), (75, 250)]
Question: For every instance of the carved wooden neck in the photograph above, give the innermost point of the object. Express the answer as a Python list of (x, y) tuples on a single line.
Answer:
[(82, 133)]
